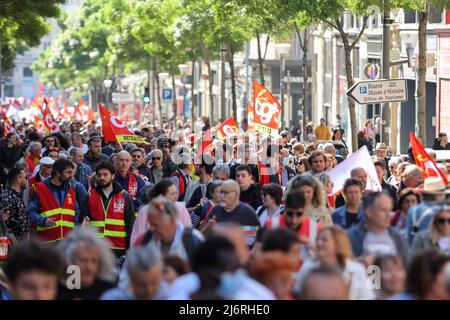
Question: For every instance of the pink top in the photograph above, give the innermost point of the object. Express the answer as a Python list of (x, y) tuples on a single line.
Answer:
[(140, 225)]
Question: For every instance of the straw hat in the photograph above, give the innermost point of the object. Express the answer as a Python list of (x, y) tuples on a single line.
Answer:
[(434, 185), (381, 146)]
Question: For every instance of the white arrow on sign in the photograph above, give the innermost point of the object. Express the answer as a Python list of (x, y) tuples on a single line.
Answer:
[(379, 91)]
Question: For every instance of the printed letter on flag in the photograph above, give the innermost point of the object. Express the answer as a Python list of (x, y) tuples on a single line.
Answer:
[(49, 120), (341, 172), (267, 110), (424, 161), (115, 129), (227, 128)]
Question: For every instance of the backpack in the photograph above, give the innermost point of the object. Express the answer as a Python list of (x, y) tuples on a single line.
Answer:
[(190, 242)]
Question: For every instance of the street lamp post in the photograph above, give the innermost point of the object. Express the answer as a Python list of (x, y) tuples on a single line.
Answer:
[(282, 49), (108, 84)]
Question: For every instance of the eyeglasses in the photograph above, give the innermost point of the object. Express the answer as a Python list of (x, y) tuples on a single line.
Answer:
[(442, 221), (297, 213), (156, 158), (225, 192)]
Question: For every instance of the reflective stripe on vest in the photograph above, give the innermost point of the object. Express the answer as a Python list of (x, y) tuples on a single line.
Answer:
[(63, 216), (109, 222)]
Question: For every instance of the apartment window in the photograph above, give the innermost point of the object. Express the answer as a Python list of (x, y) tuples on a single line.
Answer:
[(27, 72), (328, 60), (434, 16), (410, 17)]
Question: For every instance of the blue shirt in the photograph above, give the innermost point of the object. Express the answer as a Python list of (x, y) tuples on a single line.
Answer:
[(416, 212)]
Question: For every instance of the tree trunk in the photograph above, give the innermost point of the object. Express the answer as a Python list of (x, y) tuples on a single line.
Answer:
[(158, 94), (192, 97), (260, 59), (304, 46), (351, 103), (211, 96), (421, 74), (174, 99), (233, 81)]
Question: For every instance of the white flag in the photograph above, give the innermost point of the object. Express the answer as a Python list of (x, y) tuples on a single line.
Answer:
[(360, 158)]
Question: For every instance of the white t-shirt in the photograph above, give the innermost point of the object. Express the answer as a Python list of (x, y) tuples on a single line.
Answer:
[(378, 244)]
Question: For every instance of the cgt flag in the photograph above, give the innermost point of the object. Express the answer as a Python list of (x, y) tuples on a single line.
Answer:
[(424, 161), (267, 110), (39, 124), (250, 116), (49, 120), (115, 129), (227, 129)]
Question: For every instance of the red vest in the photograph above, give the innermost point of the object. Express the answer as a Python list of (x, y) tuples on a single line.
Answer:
[(64, 216), (133, 186), (264, 174), (182, 184), (109, 221), (33, 183), (308, 229)]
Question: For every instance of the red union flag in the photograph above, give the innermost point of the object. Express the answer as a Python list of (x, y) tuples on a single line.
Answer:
[(250, 116), (424, 161), (49, 120), (267, 110), (115, 129), (227, 128), (7, 126), (39, 124)]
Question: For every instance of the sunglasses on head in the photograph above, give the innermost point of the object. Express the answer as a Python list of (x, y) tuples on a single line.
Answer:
[(291, 213), (442, 221)]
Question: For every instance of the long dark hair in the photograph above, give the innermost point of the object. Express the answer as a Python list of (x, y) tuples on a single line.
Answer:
[(159, 189)]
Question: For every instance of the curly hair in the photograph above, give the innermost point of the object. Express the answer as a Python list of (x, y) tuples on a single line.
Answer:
[(299, 181)]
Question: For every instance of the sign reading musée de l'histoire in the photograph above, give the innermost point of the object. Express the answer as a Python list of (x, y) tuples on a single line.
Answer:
[(379, 91)]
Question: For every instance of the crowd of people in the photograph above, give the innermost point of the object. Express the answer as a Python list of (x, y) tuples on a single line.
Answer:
[(247, 217)]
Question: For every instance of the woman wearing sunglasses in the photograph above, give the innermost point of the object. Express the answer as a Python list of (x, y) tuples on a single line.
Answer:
[(437, 237)]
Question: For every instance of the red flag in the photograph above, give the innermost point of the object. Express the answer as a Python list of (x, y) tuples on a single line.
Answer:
[(39, 123), (7, 126), (49, 120), (250, 116), (267, 110), (424, 161), (115, 129), (227, 128), (91, 115), (205, 143)]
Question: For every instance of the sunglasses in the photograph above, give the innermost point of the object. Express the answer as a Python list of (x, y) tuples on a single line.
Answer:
[(291, 213), (156, 158), (442, 221)]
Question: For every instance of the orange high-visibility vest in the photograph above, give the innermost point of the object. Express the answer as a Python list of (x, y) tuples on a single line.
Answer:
[(64, 216), (109, 222)]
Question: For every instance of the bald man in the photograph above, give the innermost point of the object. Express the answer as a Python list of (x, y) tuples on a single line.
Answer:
[(357, 173), (231, 210), (130, 182)]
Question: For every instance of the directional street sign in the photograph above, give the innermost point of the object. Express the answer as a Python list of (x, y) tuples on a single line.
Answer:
[(379, 91)]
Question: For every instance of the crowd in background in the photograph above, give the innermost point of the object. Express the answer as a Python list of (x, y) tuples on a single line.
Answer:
[(247, 217)]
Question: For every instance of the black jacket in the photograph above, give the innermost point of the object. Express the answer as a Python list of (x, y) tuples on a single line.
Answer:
[(437, 145)]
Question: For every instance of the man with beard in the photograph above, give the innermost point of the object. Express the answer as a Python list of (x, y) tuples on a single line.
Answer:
[(111, 209), (53, 206)]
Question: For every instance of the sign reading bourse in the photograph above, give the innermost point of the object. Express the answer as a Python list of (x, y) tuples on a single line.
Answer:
[(379, 91)]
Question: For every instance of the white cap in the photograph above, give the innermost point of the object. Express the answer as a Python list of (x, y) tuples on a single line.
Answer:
[(47, 161)]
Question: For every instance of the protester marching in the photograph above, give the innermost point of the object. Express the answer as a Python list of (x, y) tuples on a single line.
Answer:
[(158, 212)]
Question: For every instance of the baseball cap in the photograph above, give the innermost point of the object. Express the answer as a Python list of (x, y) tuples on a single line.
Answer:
[(46, 161)]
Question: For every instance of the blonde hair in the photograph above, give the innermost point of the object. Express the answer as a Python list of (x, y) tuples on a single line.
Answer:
[(435, 235), (318, 190), (341, 241)]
